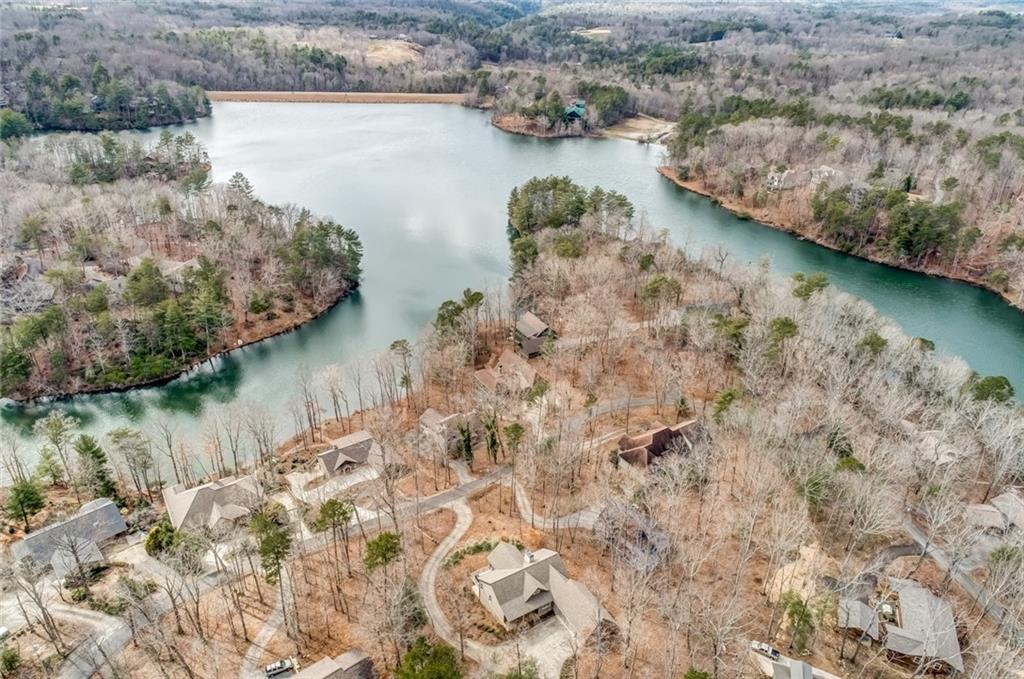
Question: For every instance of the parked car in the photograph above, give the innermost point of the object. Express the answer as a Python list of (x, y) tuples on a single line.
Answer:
[(278, 668), (764, 649), (4, 632)]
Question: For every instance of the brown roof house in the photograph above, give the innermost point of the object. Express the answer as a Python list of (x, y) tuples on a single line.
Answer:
[(644, 449), (212, 505), (79, 536), (920, 628), (519, 583), (531, 333), (511, 374), (350, 451), (352, 664)]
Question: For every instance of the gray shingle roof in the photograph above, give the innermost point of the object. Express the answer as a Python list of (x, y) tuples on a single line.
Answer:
[(207, 505), (74, 552), (529, 325), (857, 615), (928, 629), (354, 448), (95, 521)]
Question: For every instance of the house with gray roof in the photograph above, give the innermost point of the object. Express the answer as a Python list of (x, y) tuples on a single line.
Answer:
[(352, 664), (96, 521), (520, 583), (922, 629), (858, 617), (531, 333), (1011, 505), (75, 555), (511, 374), (350, 451), (446, 429), (986, 517), (213, 505)]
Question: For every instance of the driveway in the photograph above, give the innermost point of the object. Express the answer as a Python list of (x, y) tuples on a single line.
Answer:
[(297, 482)]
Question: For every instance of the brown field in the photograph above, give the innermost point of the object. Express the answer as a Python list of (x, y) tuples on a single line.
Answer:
[(640, 127), (341, 97), (390, 52)]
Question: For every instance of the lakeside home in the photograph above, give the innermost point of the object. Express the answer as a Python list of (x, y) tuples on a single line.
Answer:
[(211, 505)]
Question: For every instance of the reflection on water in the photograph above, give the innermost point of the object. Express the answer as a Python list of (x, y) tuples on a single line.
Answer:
[(426, 188)]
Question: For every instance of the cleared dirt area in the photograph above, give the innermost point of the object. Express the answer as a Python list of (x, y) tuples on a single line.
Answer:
[(596, 33), (640, 128), (390, 52), (340, 97)]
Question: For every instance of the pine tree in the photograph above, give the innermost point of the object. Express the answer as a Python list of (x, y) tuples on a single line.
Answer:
[(25, 499), (94, 467)]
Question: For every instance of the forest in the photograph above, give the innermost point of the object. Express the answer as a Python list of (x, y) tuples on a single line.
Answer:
[(124, 264), (828, 457)]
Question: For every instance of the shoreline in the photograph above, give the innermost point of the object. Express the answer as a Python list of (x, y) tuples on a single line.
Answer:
[(742, 213), (167, 379), (267, 96)]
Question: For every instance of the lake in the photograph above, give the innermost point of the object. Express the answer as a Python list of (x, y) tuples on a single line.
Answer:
[(426, 186)]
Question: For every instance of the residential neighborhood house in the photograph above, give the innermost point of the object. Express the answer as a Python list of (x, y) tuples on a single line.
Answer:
[(350, 451), (644, 449), (519, 583), (212, 505), (531, 333), (352, 664), (94, 523), (447, 429), (511, 374)]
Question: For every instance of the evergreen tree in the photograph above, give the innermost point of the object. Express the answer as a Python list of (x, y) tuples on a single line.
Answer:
[(25, 499), (94, 467), (429, 661)]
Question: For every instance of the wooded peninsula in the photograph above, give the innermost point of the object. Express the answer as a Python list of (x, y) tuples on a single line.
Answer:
[(123, 265)]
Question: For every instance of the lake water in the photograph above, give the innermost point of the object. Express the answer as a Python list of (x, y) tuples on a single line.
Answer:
[(426, 186)]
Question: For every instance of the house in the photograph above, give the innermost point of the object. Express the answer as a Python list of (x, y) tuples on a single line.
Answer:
[(511, 374), (644, 449), (348, 452), (986, 518), (352, 664), (531, 333), (773, 664), (576, 111), (1011, 505), (212, 505), (858, 617), (519, 583), (921, 627), (96, 522), (75, 555), (447, 428)]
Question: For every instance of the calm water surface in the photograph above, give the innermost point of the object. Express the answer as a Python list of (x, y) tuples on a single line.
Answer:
[(426, 186)]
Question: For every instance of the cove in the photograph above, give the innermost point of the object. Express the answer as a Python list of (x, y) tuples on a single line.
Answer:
[(426, 186)]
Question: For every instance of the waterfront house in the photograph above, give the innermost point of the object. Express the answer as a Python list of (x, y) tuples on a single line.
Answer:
[(76, 556), (530, 334), (95, 522), (447, 429), (348, 452), (576, 110), (212, 505), (511, 374)]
